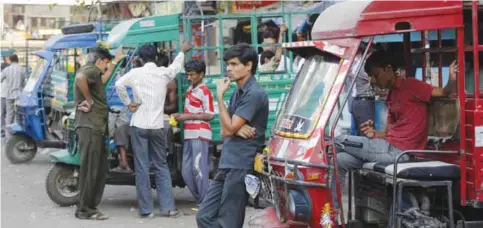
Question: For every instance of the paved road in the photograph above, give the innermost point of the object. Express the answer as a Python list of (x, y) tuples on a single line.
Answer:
[(25, 202)]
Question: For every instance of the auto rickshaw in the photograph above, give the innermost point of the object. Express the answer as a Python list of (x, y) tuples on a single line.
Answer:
[(444, 182), (45, 97)]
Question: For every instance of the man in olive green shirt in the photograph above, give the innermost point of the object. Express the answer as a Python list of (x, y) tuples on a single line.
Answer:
[(91, 126)]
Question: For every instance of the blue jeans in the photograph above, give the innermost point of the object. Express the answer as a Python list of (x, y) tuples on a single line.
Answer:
[(353, 157), (350, 158), (149, 146)]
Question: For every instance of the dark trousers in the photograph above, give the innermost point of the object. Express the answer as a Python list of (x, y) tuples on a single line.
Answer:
[(149, 146), (362, 111), (224, 203), (93, 170)]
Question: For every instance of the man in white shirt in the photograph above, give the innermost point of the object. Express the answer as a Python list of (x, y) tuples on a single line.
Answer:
[(149, 85)]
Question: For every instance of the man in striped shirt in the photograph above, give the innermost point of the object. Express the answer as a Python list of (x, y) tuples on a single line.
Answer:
[(198, 110)]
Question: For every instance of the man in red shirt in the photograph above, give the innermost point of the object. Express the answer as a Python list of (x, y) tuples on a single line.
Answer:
[(407, 120), (198, 111)]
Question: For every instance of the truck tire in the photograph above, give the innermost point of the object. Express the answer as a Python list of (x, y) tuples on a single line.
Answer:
[(20, 149), (62, 185)]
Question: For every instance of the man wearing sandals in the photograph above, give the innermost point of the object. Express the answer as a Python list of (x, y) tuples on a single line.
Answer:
[(149, 84), (91, 127)]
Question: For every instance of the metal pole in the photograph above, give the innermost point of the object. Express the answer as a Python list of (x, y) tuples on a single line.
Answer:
[(476, 66)]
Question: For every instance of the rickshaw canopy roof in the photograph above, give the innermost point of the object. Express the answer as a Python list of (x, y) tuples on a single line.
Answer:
[(145, 30), (82, 40), (6, 52), (367, 18)]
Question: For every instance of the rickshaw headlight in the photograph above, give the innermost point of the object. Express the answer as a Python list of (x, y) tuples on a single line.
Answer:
[(298, 206)]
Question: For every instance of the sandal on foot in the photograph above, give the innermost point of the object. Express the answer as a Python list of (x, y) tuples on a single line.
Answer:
[(172, 213), (96, 216), (121, 170)]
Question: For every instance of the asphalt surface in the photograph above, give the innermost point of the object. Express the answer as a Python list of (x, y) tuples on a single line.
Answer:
[(25, 202)]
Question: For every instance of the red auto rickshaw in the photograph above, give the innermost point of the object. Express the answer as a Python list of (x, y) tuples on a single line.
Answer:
[(295, 169)]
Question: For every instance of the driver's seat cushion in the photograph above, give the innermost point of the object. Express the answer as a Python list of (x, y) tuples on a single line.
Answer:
[(417, 170)]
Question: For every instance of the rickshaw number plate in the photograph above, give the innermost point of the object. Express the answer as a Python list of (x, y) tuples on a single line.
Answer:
[(479, 136)]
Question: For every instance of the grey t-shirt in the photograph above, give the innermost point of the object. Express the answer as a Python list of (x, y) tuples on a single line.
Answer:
[(250, 103)]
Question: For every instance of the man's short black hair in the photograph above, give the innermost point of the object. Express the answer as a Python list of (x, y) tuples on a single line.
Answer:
[(266, 54), (98, 53), (245, 53), (380, 59), (148, 52), (163, 60), (13, 58), (197, 66)]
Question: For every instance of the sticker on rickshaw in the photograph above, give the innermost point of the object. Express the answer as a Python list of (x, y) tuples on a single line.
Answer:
[(479, 136), (287, 123), (299, 126)]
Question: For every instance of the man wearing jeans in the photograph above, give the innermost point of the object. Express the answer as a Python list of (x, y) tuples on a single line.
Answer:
[(198, 111), (243, 124), (149, 85), (407, 120)]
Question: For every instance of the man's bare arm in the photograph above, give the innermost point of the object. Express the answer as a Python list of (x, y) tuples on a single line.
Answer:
[(108, 73), (278, 52), (451, 86), (172, 97)]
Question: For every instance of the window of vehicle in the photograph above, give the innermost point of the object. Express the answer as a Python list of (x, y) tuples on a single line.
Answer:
[(308, 95), (35, 75)]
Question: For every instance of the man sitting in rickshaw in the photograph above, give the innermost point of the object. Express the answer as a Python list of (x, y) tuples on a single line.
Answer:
[(407, 121)]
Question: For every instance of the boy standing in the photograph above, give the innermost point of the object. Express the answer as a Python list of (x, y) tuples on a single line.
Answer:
[(198, 110), (243, 124)]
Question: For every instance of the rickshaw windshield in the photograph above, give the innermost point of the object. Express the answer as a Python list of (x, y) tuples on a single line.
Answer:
[(35, 75), (308, 95)]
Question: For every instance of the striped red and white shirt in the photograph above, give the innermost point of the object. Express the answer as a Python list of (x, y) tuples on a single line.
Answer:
[(198, 100)]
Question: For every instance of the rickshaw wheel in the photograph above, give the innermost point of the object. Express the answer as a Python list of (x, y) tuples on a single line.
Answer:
[(62, 185), (20, 149)]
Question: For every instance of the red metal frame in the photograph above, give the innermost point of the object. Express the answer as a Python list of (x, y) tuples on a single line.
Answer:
[(369, 18)]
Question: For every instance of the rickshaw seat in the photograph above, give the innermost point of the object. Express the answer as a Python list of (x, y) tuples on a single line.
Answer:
[(417, 170)]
